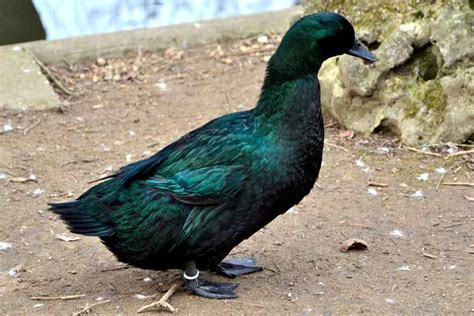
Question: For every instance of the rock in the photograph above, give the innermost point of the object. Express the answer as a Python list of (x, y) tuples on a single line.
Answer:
[(421, 89), (458, 124), (101, 61), (22, 85), (453, 33)]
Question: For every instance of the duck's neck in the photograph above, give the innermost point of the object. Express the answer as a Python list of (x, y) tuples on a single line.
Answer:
[(292, 60), (291, 106)]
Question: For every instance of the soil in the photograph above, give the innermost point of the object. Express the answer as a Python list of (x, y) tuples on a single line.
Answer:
[(420, 240)]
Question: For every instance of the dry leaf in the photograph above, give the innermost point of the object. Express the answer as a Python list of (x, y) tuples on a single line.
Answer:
[(353, 244)]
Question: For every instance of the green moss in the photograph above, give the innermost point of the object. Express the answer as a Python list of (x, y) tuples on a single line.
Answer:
[(429, 97), (382, 16)]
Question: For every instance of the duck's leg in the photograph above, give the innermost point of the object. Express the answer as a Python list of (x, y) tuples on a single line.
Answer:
[(204, 288), (234, 267)]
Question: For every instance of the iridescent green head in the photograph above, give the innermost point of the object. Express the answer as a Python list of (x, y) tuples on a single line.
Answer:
[(313, 39)]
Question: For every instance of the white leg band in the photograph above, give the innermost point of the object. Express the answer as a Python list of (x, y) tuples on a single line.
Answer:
[(194, 277)]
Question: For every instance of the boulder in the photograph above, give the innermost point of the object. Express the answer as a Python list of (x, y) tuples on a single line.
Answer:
[(421, 88)]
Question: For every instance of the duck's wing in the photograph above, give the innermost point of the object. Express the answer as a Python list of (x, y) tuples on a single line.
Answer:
[(203, 186), (219, 142)]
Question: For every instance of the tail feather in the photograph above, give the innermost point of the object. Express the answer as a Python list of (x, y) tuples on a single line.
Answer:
[(79, 220)]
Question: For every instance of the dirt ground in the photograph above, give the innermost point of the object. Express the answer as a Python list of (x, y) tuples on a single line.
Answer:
[(420, 256)]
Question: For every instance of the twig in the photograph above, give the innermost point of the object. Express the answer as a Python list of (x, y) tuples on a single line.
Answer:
[(77, 161), (453, 225), (377, 184), (122, 267), (163, 301), (428, 255), (459, 184), (336, 146), (154, 144), (465, 145), (461, 258), (357, 225), (87, 308), (464, 152), (57, 298), (276, 267), (256, 305), (423, 152), (26, 130), (49, 74), (271, 270), (447, 171)]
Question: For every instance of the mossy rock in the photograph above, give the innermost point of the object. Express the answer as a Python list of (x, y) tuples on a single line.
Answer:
[(422, 86)]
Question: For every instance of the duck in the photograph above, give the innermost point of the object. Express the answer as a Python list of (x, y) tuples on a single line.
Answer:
[(188, 205)]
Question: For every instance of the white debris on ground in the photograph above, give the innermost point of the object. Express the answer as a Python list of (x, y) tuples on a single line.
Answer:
[(104, 171), (372, 191), (292, 210), (383, 150), (423, 177), (38, 192), (441, 170), (418, 194), (361, 164), (66, 238), (104, 148), (15, 272), (404, 267), (147, 279), (5, 245), (162, 86), (7, 126), (397, 233)]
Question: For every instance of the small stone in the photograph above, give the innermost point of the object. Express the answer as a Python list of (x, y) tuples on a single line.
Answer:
[(101, 61), (263, 39)]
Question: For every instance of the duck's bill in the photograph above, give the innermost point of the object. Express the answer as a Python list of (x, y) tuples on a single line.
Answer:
[(358, 50)]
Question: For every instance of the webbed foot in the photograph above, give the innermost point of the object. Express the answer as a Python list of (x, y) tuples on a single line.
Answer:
[(234, 267), (213, 290), (205, 288)]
